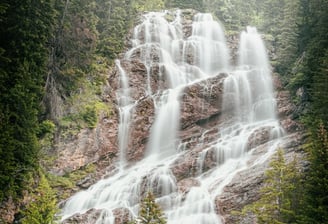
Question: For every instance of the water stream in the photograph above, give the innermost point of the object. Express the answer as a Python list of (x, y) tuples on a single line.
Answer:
[(183, 60)]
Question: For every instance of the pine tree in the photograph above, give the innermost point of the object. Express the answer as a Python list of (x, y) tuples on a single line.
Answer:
[(42, 208), (279, 199), (185, 4), (287, 47), (26, 27), (150, 212), (149, 5), (316, 187)]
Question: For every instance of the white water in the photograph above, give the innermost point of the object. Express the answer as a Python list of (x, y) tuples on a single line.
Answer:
[(125, 112), (248, 102)]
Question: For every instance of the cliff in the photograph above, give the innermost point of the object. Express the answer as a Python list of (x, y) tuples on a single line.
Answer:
[(202, 116)]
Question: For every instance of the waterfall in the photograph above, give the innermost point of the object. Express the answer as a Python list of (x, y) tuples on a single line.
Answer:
[(209, 44), (248, 107), (125, 110)]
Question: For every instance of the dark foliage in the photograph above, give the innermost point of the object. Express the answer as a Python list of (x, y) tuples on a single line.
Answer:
[(26, 28)]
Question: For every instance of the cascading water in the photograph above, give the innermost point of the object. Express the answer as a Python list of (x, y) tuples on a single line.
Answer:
[(125, 109), (208, 36), (248, 106)]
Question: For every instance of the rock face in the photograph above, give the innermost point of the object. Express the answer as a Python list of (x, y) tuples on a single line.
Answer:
[(121, 215), (200, 118), (88, 146), (90, 216)]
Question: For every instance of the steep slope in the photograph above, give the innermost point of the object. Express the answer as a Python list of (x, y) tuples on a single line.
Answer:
[(189, 126)]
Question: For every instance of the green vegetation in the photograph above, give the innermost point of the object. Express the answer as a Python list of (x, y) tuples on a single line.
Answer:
[(315, 205), (183, 4), (86, 115), (150, 212), (55, 56), (52, 54), (25, 31), (43, 206), (300, 43), (149, 5), (65, 184), (279, 199)]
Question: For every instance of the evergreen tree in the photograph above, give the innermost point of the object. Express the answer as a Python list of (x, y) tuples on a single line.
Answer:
[(150, 212), (115, 28), (316, 187), (279, 196), (287, 47), (313, 44), (149, 5), (26, 28), (43, 207), (185, 4)]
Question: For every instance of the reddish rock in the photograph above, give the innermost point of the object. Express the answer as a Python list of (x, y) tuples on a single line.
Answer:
[(202, 101), (89, 217), (184, 167), (242, 190), (143, 118), (200, 118), (259, 137), (185, 185), (122, 215), (88, 146), (285, 107)]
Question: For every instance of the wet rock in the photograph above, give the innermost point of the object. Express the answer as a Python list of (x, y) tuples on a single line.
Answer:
[(201, 109), (259, 137), (245, 187), (202, 101), (122, 215), (89, 217), (86, 182), (242, 190), (291, 125), (142, 120), (185, 166), (287, 112), (285, 107), (185, 185)]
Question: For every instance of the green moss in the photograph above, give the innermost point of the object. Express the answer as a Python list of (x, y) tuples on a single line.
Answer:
[(82, 173), (66, 184), (86, 117)]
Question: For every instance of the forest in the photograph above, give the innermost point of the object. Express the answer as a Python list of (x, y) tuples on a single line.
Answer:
[(55, 55)]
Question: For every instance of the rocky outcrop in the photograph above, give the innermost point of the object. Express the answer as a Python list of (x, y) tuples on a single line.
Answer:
[(201, 102), (245, 186), (185, 184), (88, 146), (121, 215), (143, 118), (200, 117), (243, 189), (90, 216)]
